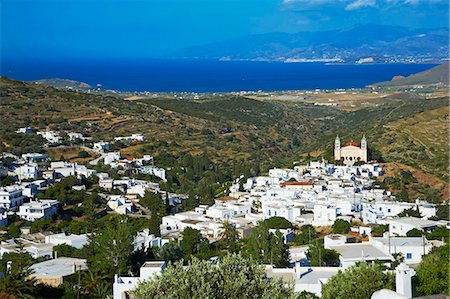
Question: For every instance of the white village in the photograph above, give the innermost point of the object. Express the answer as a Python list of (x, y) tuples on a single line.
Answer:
[(316, 195)]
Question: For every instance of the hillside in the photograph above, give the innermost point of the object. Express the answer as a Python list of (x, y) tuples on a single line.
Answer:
[(382, 43), (436, 75), (236, 134)]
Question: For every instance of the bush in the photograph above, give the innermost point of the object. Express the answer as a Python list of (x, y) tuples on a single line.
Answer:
[(341, 226)]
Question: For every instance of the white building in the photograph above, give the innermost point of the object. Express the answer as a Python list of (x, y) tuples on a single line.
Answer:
[(123, 284), (324, 214), (120, 204), (400, 226), (55, 272), (38, 209), (309, 279), (77, 241), (75, 136), (27, 171), (351, 152), (111, 157), (51, 136), (153, 170), (101, 146), (11, 197), (25, 130), (411, 248), (133, 137), (3, 218)]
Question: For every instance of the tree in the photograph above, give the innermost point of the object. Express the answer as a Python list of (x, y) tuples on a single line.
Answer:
[(410, 213), (193, 243), (356, 282), (306, 235), (379, 229), (16, 282), (319, 256), (341, 226), (232, 277), (267, 247), (83, 154), (278, 223), (110, 248), (229, 236), (414, 233), (170, 252), (433, 272)]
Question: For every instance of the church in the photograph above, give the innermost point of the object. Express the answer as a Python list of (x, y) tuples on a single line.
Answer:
[(351, 152)]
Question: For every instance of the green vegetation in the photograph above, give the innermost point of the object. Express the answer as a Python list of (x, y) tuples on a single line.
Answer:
[(357, 282), (341, 226), (433, 272), (319, 256), (232, 277), (277, 223), (266, 247)]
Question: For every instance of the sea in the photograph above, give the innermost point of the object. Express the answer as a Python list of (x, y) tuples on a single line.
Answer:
[(169, 75)]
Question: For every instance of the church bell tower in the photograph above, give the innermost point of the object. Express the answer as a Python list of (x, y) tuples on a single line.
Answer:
[(337, 148)]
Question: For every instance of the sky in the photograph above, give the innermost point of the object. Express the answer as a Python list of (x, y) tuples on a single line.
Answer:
[(60, 29)]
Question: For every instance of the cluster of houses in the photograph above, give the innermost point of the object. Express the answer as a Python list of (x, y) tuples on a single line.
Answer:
[(317, 194)]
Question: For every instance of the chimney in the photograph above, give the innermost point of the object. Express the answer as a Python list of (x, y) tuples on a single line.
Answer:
[(55, 254), (74, 268), (297, 269), (403, 275)]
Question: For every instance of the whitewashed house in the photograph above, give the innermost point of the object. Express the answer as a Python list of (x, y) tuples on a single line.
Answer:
[(309, 279), (111, 158), (133, 137), (38, 209), (411, 248), (101, 146), (400, 226), (153, 170), (27, 171), (75, 136), (50, 136), (25, 130), (74, 240), (324, 214), (3, 217), (124, 284), (120, 204), (11, 197)]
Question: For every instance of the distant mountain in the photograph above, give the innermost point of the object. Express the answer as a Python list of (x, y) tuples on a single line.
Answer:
[(436, 75), (64, 84), (363, 43)]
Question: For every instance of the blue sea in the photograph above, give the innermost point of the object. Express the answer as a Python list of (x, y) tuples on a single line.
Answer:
[(207, 75)]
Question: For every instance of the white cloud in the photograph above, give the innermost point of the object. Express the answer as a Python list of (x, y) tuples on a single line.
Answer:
[(356, 4), (361, 3)]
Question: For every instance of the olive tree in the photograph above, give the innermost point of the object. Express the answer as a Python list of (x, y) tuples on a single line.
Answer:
[(232, 277)]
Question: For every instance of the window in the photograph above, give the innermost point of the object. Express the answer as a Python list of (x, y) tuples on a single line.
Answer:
[(379, 209), (389, 210), (409, 256)]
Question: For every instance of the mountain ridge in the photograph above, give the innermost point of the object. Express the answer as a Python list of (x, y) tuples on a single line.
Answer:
[(381, 42)]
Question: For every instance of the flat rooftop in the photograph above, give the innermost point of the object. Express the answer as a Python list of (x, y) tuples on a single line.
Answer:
[(156, 264), (362, 251), (59, 267)]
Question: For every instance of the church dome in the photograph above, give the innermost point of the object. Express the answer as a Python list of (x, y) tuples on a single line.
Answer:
[(352, 143)]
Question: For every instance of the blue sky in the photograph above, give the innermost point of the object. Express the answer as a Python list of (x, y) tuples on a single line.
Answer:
[(33, 29)]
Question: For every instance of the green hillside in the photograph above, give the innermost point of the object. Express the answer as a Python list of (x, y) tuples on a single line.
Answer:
[(234, 134)]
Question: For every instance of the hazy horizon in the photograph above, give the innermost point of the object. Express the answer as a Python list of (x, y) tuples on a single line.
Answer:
[(83, 29)]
